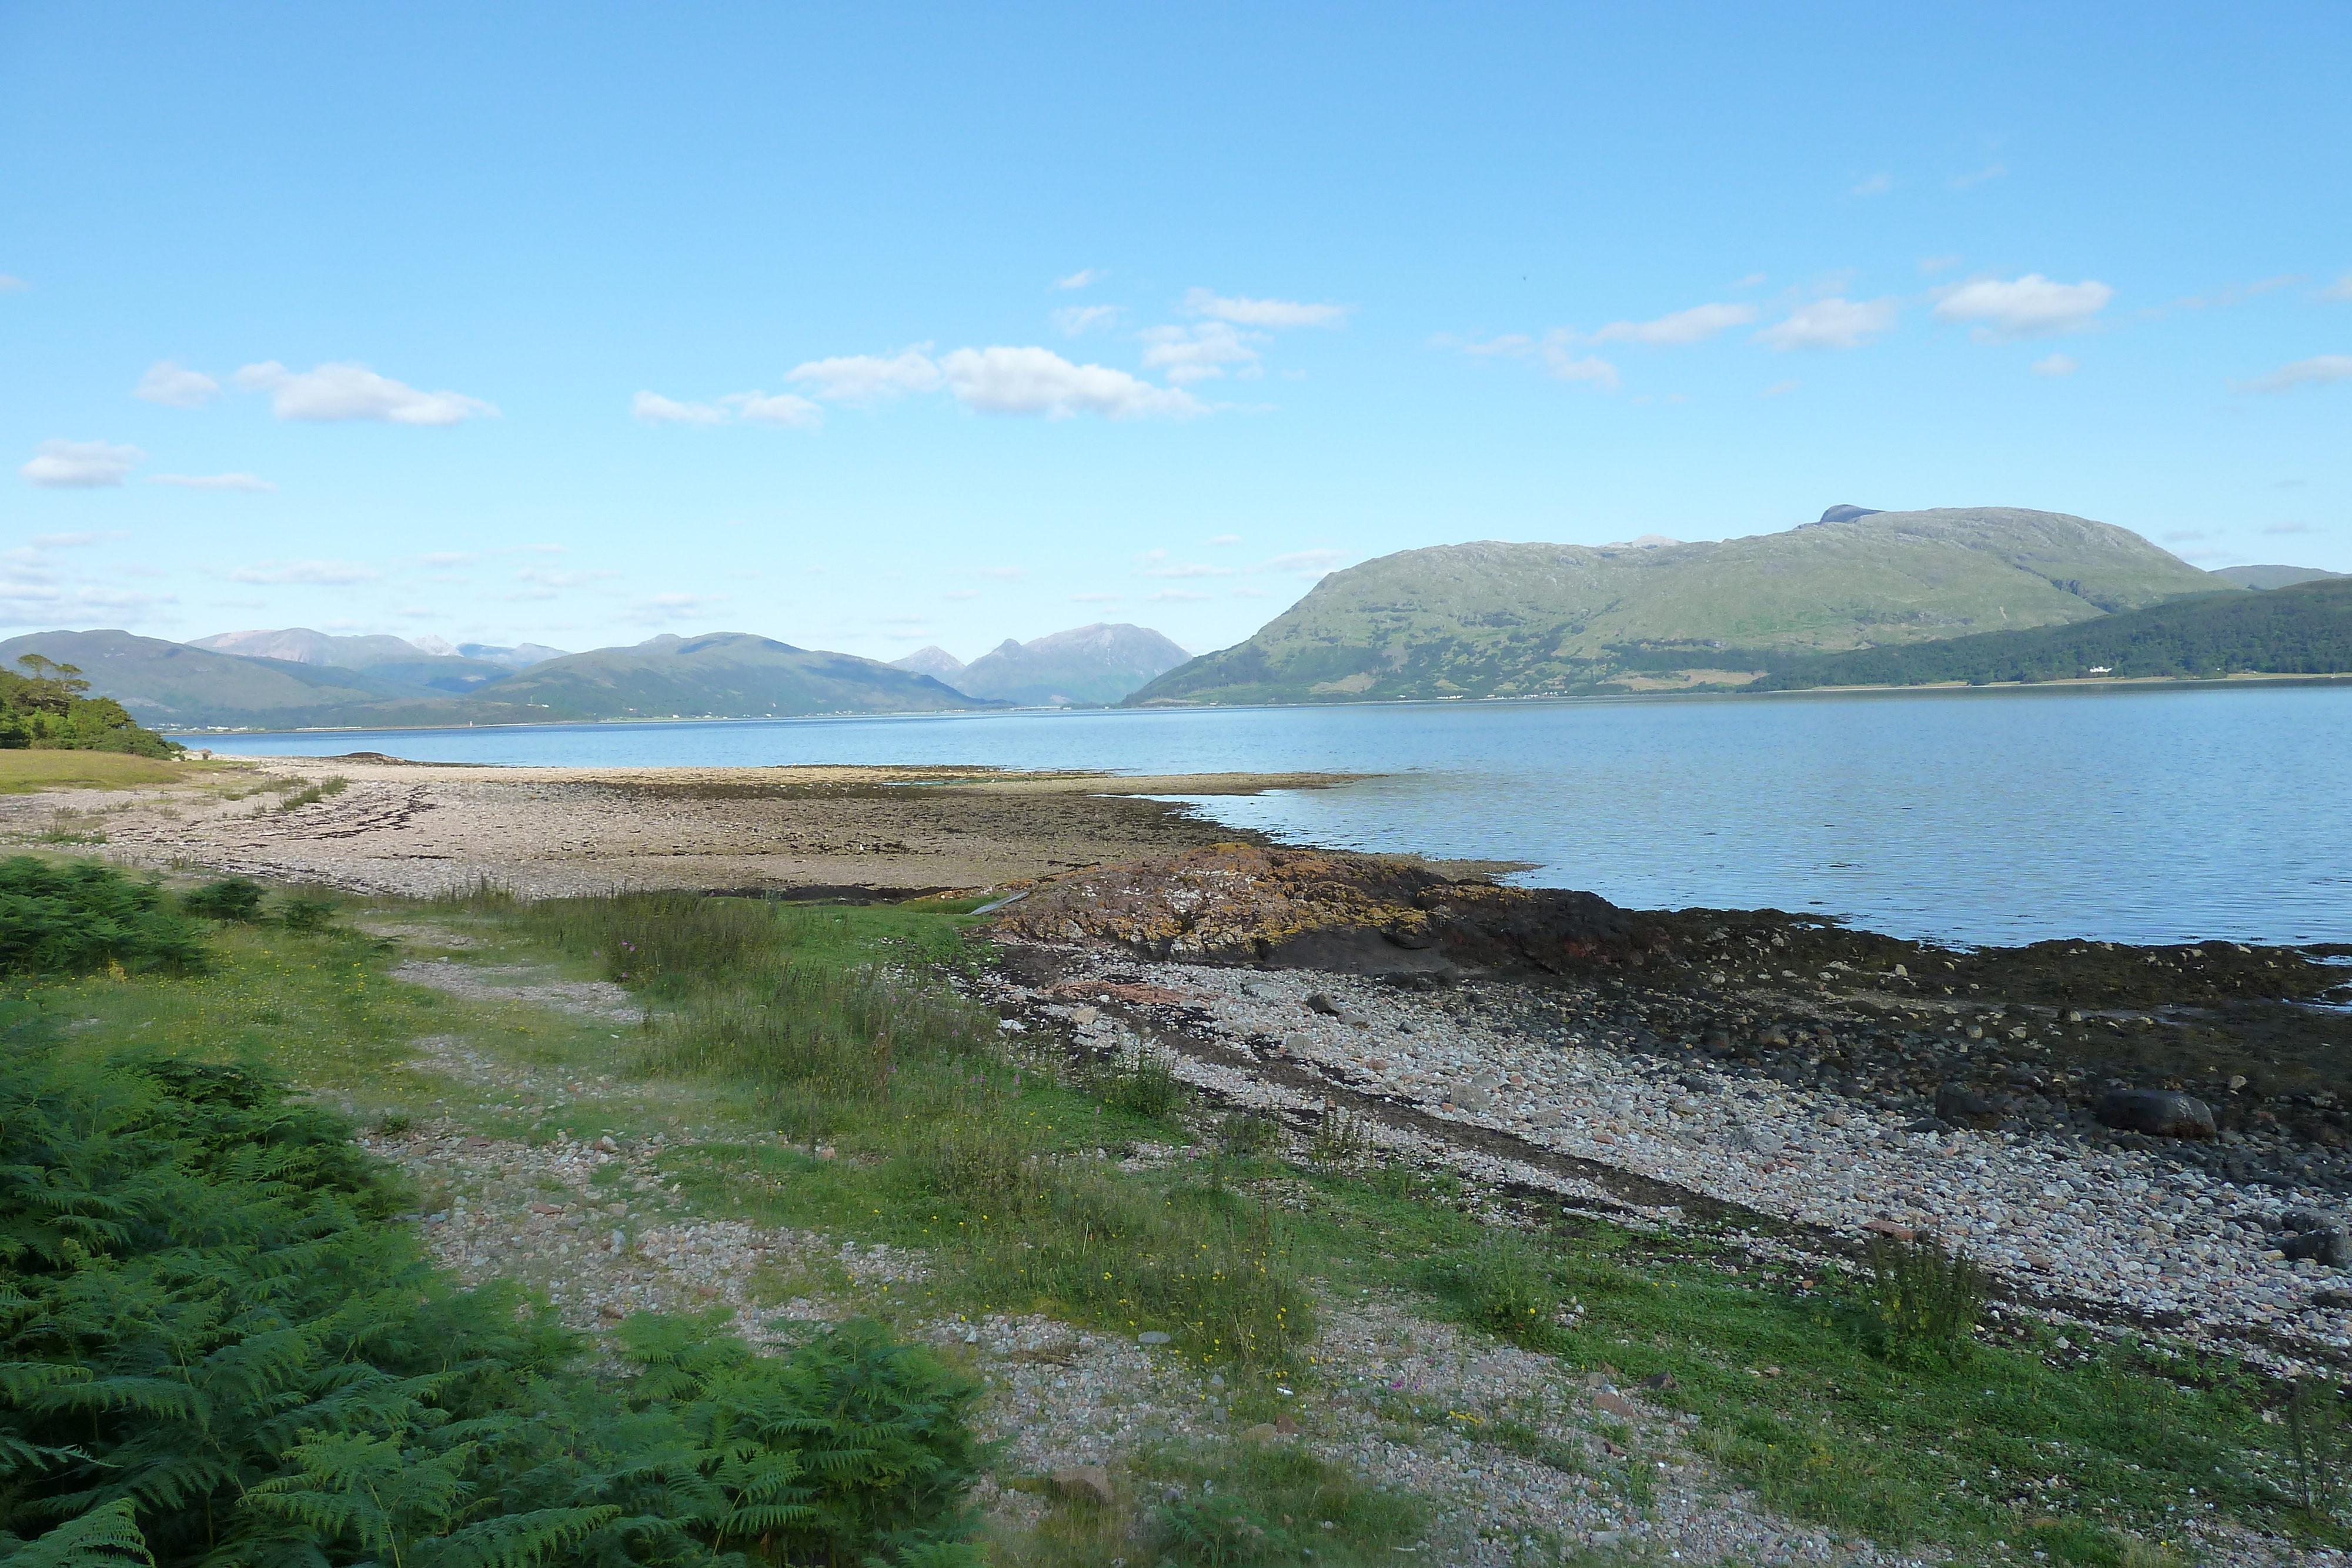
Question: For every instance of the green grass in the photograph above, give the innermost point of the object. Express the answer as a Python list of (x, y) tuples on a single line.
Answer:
[(23, 772), (832, 1026), (1786, 1375)]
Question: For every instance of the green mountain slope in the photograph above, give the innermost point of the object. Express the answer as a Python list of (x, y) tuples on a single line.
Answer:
[(2302, 629), (174, 685), (1100, 663), (728, 675), (1508, 620), (2274, 576)]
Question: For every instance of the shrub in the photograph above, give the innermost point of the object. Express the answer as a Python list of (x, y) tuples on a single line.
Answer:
[(234, 898), (71, 919), (1925, 1298), (1503, 1286), (220, 1350), (305, 914), (1143, 1085)]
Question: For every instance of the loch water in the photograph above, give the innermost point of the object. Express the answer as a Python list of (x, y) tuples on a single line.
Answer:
[(2132, 815)]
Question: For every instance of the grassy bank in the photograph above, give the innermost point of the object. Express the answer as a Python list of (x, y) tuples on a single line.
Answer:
[(833, 1078)]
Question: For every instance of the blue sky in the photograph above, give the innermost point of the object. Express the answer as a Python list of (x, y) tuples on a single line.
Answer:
[(870, 327)]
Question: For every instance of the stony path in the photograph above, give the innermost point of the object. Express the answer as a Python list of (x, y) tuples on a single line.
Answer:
[(600, 1226), (2114, 1235)]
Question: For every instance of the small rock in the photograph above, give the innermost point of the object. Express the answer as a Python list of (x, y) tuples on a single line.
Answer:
[(1320, 1003), (607, 1144), (2326, 1245), (2159, 1112), (1264, 1432), (2331, 1298), (1965, 1108), (1089, 1482), (1151, 1336)]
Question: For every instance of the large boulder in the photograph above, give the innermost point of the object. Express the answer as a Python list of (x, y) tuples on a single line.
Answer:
[(2158, 1112)]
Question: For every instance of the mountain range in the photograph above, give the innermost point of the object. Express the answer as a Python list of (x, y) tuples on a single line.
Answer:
[(1525, 620), (1087, 665), (299, 678)]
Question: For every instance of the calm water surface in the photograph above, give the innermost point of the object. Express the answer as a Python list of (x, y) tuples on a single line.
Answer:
[(2128, 815)]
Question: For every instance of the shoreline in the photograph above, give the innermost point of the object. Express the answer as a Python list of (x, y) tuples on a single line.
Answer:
[(1756, 1059), (2249, 681)]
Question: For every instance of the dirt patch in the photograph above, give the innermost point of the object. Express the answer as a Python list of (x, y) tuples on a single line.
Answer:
[(583, 998)]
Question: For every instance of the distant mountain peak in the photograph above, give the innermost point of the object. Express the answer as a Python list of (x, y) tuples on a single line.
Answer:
[(1843, 513), (438, 646), (1084, 665), (935, 662)]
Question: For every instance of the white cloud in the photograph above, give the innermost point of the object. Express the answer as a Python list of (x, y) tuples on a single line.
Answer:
[(1695, 325), (75, 541), (542, 576), (862, 379), (328, 573), (80, 464), (664, 607), (962, 593), (1197, 353), (1081, 278), (346, 391), (1039, 381), (1990, 171), (2339, 289), (1876, 185), (1094, 599), (1932, 264), (214, 482), (1175, 595), (2056, 365), (652, 408), (1072, 320), (1002, 573), (1832, 323), (12, 285), (1242, 591), (2317, 371), (2028, 307), (783, 409), (2290, 528), (1192, 568), (1265, 312), (1780, 389), (1226, 539), (450, 557), (2182, 535), (1590, 368), (175, 386)]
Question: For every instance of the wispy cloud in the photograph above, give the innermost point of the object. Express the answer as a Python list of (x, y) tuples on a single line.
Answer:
[(214, 482), (79, 465), (1040, 382), (10, 284), (861, 380), (2056, 365), (76, 541), (1095, 598), (1832, 323), (1875, 185), (2339, 289), (1932, 264), (1175, 595), (1187, 568), (2290, 528), (1002, 573), (1197, 353), (1075, 320), (1780, 389), (1557, 351), (2003, 311), (1265, 312), (652, 408), (175, 386), (1304, 563), (2321, 369), (326, 573), (351, 391), (1976, 177), (780, 409), (1085, 278), (1225, 539), (1695, 325)]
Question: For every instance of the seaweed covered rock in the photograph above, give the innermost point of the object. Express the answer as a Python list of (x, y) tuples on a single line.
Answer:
[(1355, 914), (2159, 1112)]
